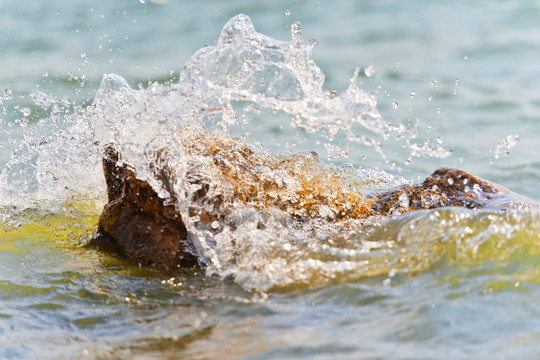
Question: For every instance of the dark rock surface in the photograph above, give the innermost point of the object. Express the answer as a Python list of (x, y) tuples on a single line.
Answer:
[(138, 221)]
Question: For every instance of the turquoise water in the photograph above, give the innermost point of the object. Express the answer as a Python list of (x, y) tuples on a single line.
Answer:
[(467, 72)]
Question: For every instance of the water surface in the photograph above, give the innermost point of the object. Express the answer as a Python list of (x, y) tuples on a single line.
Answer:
[(451, 283)]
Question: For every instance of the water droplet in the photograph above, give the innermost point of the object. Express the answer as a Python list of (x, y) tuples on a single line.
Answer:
[(215, 224), (438, 110), (404, 200), (296, 31), (429, 98), (434, 82), (413, 93), (466, 57), (142, 1), (395, 104), (450, 181), (287, 12), (26, 111), (369, 71), (45, 74), (457, 82)]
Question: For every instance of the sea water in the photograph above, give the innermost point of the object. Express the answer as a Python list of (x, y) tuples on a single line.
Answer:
[(387, 93)]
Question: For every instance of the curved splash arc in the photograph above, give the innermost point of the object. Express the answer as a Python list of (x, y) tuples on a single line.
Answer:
[(249, 66)]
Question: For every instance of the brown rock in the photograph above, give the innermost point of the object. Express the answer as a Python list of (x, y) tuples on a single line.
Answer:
[(140, 223), (445, 187)]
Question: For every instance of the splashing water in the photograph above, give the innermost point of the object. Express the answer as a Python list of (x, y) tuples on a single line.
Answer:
[(183, 129), (504, 146)]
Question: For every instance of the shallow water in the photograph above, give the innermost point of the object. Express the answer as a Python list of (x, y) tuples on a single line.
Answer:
[(448, 283)]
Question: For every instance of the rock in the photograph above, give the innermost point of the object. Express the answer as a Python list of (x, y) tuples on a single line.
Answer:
[(450, 187), (445, 187), (144, 227), (137, 220)]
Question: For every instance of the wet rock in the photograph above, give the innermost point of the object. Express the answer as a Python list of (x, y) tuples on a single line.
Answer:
[(144, 227), (449, 187), (136, 220), (445, 187)]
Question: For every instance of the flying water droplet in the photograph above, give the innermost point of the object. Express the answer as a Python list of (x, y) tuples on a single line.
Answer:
[(395, 104), (369, 71), (287, 12), (26, 111), (505, 145)]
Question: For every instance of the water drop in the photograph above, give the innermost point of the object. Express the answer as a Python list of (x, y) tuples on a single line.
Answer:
[(215, 225), (466, 57), (438, 110), (395, 104), (369, 71), (429, 98), (404, 200), (413, 93), (25, 111), (287, 12), (142, 1), (45, 74), (296, 34), (457, 82), (434, 82)]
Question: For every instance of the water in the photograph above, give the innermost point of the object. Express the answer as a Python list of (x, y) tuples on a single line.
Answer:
[(453, 84)]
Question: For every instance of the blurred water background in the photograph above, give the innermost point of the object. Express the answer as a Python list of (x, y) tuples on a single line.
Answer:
[(467, 72)]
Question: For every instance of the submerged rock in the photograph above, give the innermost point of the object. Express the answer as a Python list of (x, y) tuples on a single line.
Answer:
[(148, 229)]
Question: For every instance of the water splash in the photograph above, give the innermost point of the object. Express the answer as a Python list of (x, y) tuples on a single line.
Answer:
[(504, 146), (183, 130)]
